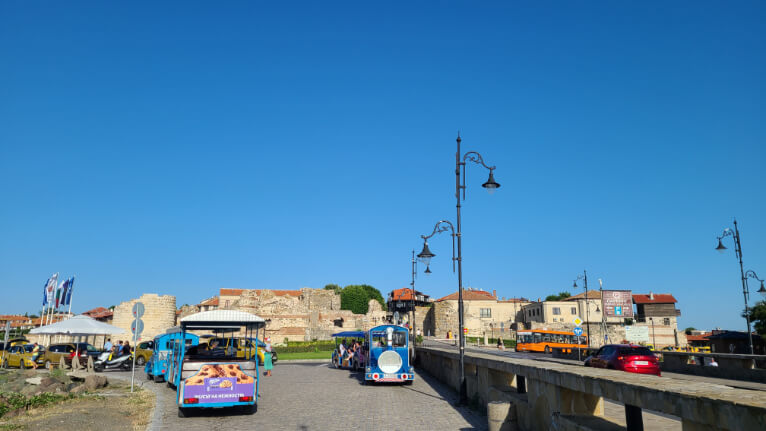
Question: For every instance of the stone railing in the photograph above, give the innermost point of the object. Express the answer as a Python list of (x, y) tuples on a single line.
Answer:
[(730, 366), (526, 394)]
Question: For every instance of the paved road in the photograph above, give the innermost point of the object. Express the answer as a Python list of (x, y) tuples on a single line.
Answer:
[(313, 396)]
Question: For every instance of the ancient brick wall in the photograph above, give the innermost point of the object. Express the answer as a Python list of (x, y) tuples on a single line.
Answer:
[(160, 315)]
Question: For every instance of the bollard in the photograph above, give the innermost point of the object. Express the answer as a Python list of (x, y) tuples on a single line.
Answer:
[(62, 363), (91, 368), (76, 363)]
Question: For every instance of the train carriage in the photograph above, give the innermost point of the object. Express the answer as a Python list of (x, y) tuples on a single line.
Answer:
[(389, 355)]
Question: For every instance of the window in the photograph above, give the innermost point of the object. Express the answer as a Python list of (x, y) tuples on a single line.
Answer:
[(485, 312), (556, 311), (574, 310), (226, 304), (666, 321)]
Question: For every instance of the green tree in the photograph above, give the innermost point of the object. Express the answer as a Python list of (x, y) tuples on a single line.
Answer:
[(356, 298), (758, 318), (333, 287), (688, 331), (561, 296)]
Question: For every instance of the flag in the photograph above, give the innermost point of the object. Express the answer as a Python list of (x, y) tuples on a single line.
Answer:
[(64, 289), (58, 293), (45, 293), (50, 288), (68, 299)]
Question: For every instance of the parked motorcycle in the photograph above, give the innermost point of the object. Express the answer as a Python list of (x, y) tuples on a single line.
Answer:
[(106, 361)]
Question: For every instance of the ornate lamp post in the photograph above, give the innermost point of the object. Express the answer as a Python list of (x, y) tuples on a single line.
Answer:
[(738, 253), (491, 185), (412, 303)]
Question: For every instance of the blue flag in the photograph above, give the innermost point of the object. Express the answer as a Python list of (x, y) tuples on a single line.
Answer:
[(68, 296), (45, 294)]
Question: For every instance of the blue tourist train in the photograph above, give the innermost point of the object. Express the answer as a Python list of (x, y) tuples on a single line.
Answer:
[(157, 366), (388, 356)]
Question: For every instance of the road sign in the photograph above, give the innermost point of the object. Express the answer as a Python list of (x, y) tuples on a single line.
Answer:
[(578, 331), (137, 327), (138, 310), (577, 321)]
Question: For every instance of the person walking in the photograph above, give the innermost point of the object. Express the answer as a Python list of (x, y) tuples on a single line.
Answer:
[(108, 345), (267, 365), (35, 355)]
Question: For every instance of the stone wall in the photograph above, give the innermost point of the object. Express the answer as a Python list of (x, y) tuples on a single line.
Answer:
[(160, 315)]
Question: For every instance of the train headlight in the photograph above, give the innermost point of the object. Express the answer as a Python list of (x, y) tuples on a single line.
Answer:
[(369, 369)]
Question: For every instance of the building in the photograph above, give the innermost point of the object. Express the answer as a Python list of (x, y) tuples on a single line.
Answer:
[(101, 314), (402, 300), (296, 315), (738, 342), (209, 304), (484, 314), (658, 313)]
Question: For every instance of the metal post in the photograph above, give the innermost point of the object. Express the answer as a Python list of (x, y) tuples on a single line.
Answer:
[(738, 250), (587, 308), (463, 390), (414, 272), (654, 339)]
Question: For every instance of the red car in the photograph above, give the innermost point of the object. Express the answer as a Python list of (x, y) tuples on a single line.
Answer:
[(625, 357)]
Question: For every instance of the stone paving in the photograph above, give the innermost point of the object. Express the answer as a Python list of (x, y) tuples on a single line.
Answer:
[(314, 396)]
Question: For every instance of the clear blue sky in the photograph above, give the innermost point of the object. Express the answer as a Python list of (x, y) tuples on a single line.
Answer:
[(181, 147)]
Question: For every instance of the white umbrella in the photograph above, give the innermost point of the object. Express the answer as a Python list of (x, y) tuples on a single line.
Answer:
[(77, 325)]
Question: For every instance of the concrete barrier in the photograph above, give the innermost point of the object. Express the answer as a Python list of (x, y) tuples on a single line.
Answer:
[(750, 368), (525, 394)]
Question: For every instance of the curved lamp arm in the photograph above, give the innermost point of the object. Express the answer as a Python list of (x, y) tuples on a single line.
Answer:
[(441, 226), (475, 157)]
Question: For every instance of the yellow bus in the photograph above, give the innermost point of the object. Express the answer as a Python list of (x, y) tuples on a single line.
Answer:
[(541, 340)]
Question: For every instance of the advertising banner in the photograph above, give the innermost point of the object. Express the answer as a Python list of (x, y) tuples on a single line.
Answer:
[(617, 303), (637, 334), (219, 384)]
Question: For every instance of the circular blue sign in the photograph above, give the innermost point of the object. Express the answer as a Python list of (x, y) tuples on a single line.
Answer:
[(578, 331)]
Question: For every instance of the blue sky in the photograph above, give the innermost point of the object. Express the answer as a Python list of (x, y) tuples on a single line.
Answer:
[(182, 147)]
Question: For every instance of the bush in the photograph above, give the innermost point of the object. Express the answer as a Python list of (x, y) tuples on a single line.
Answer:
[(509, 343)]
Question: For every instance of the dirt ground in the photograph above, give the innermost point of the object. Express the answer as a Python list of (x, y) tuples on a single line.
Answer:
[(111, 408)]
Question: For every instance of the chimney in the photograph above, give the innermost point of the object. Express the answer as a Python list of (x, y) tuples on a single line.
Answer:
[(494, 293), (651, 296)]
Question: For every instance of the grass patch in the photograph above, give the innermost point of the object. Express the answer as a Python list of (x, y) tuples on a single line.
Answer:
[(324, 354)]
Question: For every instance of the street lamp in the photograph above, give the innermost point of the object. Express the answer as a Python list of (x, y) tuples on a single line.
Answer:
[(412, 284), (491, 185), (750, 274), (584, 277)]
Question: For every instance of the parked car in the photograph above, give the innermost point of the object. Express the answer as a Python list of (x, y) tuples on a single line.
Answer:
[(55, 352), (625, 357), (144, 352), (244, 347), (19, 355)]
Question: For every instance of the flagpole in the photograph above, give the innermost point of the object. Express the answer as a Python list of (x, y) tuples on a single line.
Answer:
[(69, 295)]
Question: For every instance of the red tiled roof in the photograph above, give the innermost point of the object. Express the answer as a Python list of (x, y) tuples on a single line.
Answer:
[(210, 301), (404, 294), (469, 295), (231, 292), (592, 294), (659, 298), (703, 337), (13, 317)]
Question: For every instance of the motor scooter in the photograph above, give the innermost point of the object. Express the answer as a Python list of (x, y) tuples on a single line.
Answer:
[(106, 361)]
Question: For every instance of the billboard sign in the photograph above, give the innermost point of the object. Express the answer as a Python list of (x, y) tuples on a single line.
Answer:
[(617, 303), (637, 334)]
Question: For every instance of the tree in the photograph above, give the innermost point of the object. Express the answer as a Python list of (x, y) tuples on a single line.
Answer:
[(688, 331), (356, 298), (333, 287), (559, 297), (758, 318)]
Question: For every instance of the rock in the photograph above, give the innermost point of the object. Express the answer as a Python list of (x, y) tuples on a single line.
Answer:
[(35, 380), (94, 382), (47, 381), (30, 390), (71, 386), (79, 389)]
